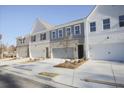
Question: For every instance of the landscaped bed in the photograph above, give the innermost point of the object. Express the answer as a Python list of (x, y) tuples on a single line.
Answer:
[(71, 64), (48, 74)]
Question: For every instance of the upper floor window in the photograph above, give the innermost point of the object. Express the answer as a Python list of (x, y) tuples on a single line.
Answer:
[(106, 24), (53, 35), (121, 21), (33, 38), (68, 31), (43, 36), (77, 29), (60, 33), (22, 40), (92, 26)]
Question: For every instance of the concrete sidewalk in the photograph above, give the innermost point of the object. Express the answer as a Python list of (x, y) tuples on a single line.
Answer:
[(98, 73), (12, 61)]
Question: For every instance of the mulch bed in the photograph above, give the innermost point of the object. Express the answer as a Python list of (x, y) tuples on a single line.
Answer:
[(48, 74), (71, 65)]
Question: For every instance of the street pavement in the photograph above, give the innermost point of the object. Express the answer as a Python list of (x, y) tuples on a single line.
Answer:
[(13, 81)]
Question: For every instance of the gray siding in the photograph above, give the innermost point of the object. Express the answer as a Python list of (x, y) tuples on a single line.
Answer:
[(79, 37)]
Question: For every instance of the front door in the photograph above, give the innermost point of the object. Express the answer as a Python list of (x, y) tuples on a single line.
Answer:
[(47, 54), (80, 51)]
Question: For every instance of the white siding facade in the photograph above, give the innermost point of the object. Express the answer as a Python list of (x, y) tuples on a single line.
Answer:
[(105, 44)]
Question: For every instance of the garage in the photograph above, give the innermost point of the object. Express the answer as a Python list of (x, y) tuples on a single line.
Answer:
[(23, 52), (107, 52), (63, 52), (37, 51)]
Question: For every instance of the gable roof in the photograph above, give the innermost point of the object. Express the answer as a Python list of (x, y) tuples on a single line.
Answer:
[(40, 25)]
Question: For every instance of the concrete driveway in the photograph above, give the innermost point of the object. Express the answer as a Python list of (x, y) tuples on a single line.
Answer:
[(92, 74)]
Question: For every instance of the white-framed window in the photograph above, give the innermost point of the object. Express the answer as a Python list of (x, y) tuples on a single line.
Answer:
[(20, 40), (77, 29), (68, 31), (106, 23), (92, 26), (43, 36), (121, 21), (60, 33), (54, 35)]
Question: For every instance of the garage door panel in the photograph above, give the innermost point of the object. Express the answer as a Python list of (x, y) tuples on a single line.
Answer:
[(108, 52), (63, 52)]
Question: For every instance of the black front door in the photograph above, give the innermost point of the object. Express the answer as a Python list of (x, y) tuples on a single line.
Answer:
[(47, 54), (80, 51)]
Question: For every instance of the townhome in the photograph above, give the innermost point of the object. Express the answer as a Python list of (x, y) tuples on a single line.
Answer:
[(105, 33), (39, 45), (67, 40), (100, 36), (22, 44)]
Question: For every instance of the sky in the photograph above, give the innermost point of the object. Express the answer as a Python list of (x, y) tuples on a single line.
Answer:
[(18, 20)]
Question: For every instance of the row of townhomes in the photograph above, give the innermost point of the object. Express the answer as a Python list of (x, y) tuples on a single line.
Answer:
[(99, 36)]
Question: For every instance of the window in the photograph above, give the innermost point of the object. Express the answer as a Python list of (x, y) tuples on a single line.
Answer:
[(77, 29), (106, 24), (92, 26), (121, 21), (68, 31), (33, 38), (22, 40), (53, 35), (43, 36), (60, 34)]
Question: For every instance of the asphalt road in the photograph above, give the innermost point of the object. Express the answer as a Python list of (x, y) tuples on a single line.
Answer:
[(13, 81)]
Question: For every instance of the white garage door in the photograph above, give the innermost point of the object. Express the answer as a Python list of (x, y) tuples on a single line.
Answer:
[(107, 52), (22, 52), (63, 52)]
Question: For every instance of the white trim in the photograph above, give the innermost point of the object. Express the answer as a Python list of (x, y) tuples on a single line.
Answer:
[(79, 29), (70, 30), (58, 33)]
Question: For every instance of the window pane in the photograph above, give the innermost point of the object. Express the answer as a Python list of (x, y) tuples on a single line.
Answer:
[(54, 35), (106, 21), (92, 26), (93, 29), (60, 33), (68, 31), (77, 30), (106, 26), (121, 24), (121, 21), (121, 17), (44, 38)]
